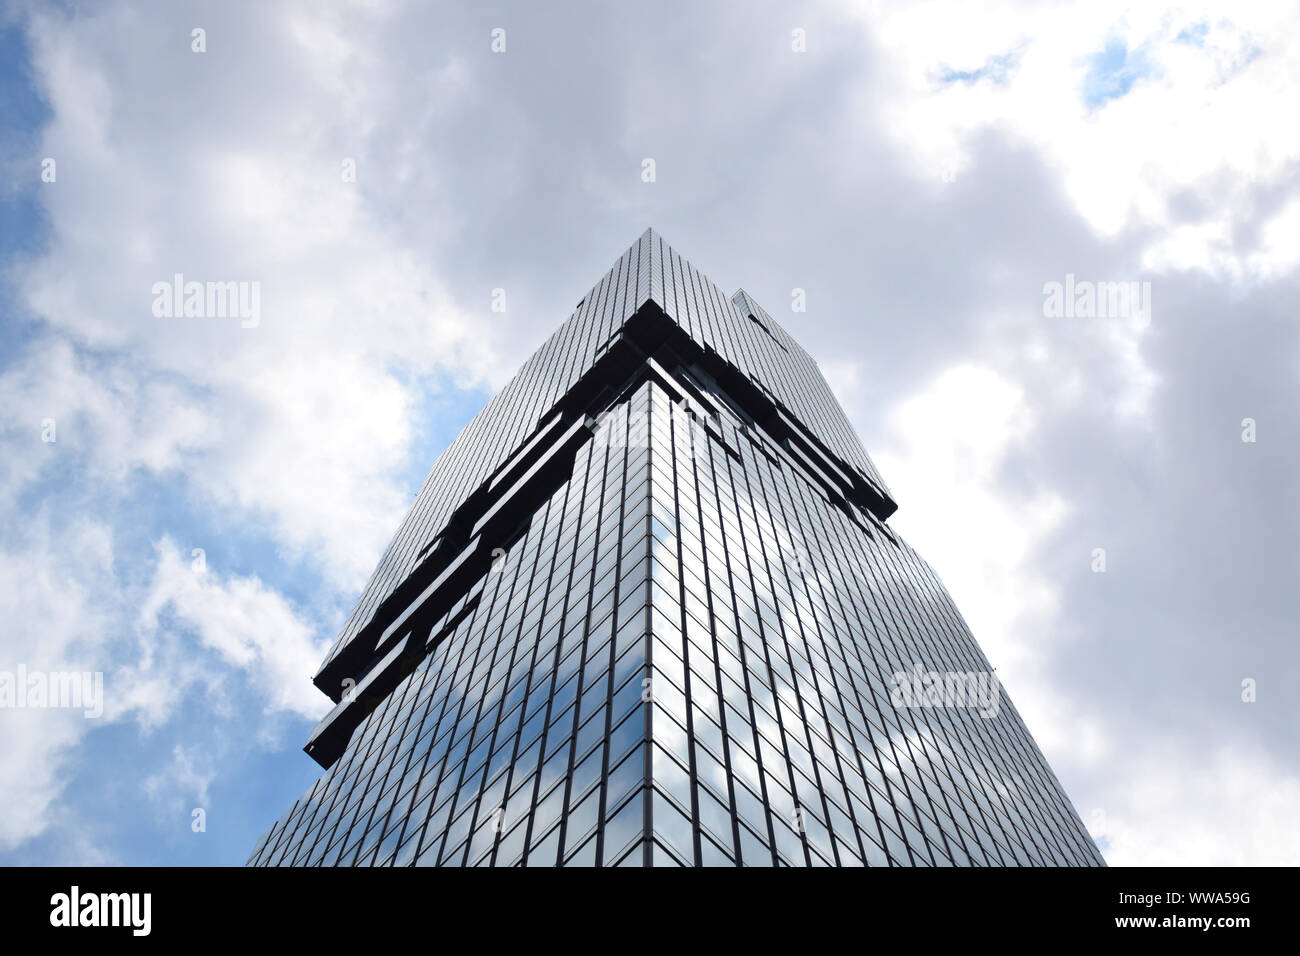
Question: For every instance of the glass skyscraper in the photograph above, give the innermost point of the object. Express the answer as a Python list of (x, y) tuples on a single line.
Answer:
[(647, 610)]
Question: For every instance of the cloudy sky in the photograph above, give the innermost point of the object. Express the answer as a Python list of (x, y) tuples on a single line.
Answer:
[(190, 505)]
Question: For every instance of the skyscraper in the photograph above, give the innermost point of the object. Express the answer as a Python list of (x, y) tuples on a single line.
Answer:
[(646, 610)]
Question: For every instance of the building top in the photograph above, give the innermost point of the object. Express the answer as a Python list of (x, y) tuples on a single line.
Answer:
[(650, 279)]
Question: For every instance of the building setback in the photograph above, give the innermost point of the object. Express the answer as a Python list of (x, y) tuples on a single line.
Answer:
[(646, 610)]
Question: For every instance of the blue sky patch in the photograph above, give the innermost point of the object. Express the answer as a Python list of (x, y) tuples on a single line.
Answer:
[(1193, 35), (1113, 71), (995, 68)]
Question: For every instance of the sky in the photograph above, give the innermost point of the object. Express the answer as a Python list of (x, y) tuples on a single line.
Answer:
[(189, 504)]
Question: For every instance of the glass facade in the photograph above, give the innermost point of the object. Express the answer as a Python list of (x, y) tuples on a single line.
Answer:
[(668, 626)]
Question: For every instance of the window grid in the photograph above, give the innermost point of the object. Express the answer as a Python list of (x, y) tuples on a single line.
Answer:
[(684, 656)]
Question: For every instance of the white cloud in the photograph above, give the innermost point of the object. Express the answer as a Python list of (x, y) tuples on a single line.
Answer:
[(947, 445), (185, 781), (1204, 120), (63, 608), (1279, 251), (249, 626), (1159, 802), (301, 425), (1219, 807), (303, 421), (946, 450), (105, 417), (51, 620)]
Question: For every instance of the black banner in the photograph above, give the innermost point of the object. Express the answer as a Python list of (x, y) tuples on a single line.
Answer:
[(1151, 905)]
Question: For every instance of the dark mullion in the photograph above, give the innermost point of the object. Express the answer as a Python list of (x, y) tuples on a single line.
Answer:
[(549, 560), (603, 786), (745, 571), (581, 676), (799, 494), (454, 795), (555, 663)]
